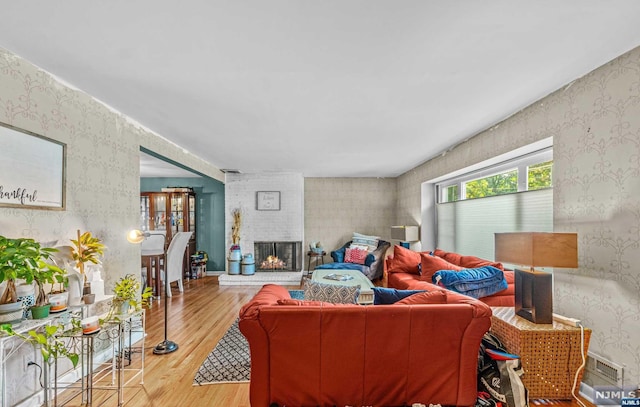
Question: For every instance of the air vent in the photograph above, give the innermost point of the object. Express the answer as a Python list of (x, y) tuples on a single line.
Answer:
[(606, 370), (229, 171)]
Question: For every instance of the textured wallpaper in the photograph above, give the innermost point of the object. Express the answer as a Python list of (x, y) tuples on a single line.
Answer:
[(595, 123), (103, 182), (334, 208)]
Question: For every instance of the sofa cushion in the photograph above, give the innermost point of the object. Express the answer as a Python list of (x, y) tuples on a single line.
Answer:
[(466, 261), (355, 255), (384, 296), (303, 303), (477, 283), (431, 264), (426, 297), (403, 261), (337, 294)]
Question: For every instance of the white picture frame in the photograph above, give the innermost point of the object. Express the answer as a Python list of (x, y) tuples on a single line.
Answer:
[(32, 170), (268, 200)]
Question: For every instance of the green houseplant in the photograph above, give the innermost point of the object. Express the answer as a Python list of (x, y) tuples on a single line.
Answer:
[(86, 249), (128, 296), (51, 345), (25, 259)]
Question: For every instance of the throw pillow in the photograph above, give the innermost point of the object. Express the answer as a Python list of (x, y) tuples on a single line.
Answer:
[(337, 294), (370, 241), (472, 262), (404, 261), (431, 264), (427, 297), (384, 296), (355, 255), (451, 257)]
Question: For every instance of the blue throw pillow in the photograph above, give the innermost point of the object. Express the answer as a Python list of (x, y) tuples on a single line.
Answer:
[(385, 296)]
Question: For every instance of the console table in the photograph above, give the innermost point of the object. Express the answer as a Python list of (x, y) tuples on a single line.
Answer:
[(550, 353)]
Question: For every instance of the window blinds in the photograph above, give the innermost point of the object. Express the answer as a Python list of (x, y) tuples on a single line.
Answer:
[(467, 227)]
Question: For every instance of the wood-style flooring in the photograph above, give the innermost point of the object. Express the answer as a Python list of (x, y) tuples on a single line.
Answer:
[(198, 318)]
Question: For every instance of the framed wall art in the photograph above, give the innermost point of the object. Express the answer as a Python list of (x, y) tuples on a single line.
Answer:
[(268, 200), (32, 170)]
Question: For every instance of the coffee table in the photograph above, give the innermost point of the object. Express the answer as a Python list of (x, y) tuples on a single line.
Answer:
[(359, 279)]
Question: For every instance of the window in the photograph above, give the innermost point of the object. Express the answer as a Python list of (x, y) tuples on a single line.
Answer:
[(527, 173), (510, 196)]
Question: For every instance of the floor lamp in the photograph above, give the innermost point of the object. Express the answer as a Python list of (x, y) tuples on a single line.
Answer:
[(166, 346)]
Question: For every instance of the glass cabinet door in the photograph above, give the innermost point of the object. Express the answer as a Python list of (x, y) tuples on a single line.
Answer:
[(177, 213), (192, 214), (145, 217), (160, 211)]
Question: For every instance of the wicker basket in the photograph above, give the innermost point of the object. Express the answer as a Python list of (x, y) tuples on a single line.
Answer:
[(550, 353)]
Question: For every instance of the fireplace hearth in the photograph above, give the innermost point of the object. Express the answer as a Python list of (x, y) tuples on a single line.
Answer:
[(278, 256)]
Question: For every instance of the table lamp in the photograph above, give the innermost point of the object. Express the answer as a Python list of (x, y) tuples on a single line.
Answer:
[(405, 234), (533, 288)]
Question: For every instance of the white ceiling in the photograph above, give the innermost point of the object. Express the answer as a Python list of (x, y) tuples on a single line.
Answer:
[(326, 87)]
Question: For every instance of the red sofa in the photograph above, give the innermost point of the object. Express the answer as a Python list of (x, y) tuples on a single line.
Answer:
[(402, 272), (309, 353)]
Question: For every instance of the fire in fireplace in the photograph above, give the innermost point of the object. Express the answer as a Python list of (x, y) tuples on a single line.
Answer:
[(272, 263), (278, 256)]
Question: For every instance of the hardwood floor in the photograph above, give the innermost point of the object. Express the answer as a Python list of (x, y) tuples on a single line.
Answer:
[(198, 318)]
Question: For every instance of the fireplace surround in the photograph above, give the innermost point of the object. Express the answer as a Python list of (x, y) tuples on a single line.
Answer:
[(288, 254)]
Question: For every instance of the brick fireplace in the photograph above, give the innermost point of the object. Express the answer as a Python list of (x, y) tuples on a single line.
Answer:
[(278, 256)]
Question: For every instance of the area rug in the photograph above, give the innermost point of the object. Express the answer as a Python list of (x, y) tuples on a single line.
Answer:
[(229, 362)]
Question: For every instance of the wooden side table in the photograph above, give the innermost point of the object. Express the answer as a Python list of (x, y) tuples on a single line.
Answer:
[(317, 257), (550, 353)]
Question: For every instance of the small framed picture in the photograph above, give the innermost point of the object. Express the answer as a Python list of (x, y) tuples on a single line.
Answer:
[(268, 200)]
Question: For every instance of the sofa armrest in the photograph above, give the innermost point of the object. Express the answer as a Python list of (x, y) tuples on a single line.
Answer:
[(269, 294), (338, 254)]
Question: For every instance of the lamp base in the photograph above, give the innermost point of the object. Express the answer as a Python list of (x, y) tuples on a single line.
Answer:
[(534, 296), (165, 347)]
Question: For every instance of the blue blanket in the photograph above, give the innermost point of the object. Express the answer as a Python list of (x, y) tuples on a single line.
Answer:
[(479, 282)]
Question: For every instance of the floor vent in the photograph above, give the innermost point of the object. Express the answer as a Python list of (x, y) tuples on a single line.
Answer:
[(605, 370)]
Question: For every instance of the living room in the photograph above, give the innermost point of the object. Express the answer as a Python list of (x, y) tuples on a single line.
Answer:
[(594, 122)]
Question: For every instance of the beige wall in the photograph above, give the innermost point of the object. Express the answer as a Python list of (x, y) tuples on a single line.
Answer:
[(595, 124), (334, 208)]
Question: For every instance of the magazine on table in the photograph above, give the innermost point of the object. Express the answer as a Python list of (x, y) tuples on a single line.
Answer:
[(338, 277)]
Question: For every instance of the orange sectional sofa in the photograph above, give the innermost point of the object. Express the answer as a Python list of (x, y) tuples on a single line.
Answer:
[(402, 272), (423, 349)]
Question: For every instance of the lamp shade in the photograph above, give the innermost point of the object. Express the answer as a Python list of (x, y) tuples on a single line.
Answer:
[(533, 294), (136, 236), (405, 233), (537, 249)]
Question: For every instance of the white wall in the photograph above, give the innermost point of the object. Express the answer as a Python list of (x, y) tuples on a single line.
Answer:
[(286, 224)]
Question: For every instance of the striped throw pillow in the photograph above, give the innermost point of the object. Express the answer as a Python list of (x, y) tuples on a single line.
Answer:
[(370, 241)]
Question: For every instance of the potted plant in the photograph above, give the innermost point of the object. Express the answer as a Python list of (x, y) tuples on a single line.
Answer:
[(128, 297), (21, 258), (46, 273), (86, 249)]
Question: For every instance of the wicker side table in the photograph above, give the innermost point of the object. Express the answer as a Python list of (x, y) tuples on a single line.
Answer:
[(550, 353)]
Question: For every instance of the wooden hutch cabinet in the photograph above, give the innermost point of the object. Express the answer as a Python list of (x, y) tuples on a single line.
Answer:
[(171, 212)]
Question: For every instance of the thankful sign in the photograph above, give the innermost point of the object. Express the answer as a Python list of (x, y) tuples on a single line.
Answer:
[(31, 170)]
